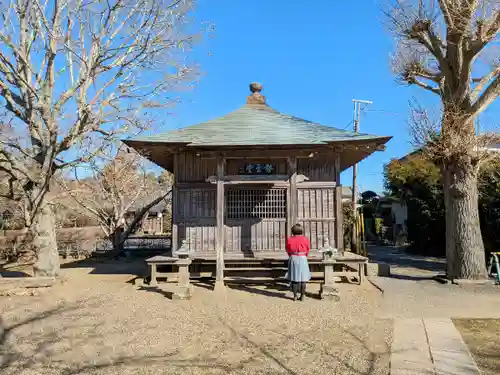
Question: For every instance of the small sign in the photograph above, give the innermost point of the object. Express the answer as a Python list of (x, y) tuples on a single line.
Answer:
[(258, 169)]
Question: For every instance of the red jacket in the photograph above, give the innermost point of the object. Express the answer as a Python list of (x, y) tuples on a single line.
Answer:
[(298, 245)]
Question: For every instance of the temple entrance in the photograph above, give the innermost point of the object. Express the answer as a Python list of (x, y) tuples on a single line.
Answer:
[(255, 218)]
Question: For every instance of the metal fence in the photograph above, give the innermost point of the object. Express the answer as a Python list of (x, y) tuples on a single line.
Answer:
[(137, 243)]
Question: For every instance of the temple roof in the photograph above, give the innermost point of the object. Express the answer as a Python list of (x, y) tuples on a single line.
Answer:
[(256, 124)]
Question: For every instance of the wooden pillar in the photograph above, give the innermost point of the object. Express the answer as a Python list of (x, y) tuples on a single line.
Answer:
[(175, 207), (339, 213), (219, 234), (339, 218), (337, 167), (292, 210)]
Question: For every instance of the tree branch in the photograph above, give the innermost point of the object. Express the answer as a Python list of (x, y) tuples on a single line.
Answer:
[(483, 82), (486, 98), (443, 4), (413, 80), (139, 216), (493, 28)]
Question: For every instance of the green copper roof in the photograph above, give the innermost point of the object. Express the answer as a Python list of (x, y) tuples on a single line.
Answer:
[(257, 124)]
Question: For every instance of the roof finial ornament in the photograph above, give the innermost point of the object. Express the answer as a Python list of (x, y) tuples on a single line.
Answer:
[(256, 97)]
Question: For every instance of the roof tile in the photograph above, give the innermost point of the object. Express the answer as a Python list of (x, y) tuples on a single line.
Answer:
[(256, 124)]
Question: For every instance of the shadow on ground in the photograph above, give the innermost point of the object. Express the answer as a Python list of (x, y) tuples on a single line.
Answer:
[(276, 289), (396, 257), (411, 277), (10, 273), (134, 266)]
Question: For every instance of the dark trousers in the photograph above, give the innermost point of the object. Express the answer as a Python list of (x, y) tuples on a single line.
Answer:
[(298, 287)]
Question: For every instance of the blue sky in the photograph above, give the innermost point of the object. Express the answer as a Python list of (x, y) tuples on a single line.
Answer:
[(312, 61)]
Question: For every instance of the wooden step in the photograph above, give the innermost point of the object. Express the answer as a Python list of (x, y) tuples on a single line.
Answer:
[(255, 269), (256, 280)]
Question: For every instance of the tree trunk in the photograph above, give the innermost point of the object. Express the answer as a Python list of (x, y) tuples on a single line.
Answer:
[(464, 243), (116, 239), (45, 243)]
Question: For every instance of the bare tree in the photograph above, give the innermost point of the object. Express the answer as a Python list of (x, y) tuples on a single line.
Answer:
[(73, 76), (441, 45), (116, 187)]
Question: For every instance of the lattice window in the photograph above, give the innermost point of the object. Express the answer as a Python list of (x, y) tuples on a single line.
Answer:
[(250, 203)]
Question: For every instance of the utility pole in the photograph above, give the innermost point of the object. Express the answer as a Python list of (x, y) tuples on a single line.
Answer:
[(357, 118)]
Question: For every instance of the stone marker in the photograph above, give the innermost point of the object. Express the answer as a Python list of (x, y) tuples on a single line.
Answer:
[(378, 269)]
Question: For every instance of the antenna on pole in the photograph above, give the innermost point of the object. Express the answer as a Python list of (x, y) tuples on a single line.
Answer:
[(357, 117)]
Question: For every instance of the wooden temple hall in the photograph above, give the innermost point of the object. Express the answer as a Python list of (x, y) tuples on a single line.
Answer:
[(242, 180)]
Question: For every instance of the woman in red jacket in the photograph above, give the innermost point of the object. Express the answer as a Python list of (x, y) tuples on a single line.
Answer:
[(298, 247)]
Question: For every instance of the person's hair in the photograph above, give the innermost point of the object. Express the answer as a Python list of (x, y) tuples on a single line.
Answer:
[(297, 230)]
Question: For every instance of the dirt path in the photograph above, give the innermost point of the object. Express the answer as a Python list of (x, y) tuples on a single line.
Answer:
[(99, 324)]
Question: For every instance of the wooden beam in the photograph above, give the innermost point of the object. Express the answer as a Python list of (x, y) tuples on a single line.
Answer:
[(316, 184), (276, 184), (195, 185), (292, 196), (219, 236), (256, 179), (266, 153), (266, 178), (175, 207)]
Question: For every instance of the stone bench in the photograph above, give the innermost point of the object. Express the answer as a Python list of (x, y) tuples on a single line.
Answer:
[(184, 289), (328, 288)]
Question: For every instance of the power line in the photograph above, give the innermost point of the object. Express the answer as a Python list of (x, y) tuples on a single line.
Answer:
[(383, 111), (349, 124)]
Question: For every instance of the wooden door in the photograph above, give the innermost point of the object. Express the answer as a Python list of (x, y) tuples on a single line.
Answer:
[(255, 219)]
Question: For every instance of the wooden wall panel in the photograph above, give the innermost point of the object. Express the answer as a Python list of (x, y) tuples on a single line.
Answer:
[(316, 203), (195, 217), (249, 236), (196, 203), (317, 214), (199, 234), (319, 232), (317, 169), (194, 168)]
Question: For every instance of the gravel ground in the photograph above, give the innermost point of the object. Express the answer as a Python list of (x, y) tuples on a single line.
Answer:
[(99, 324)]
